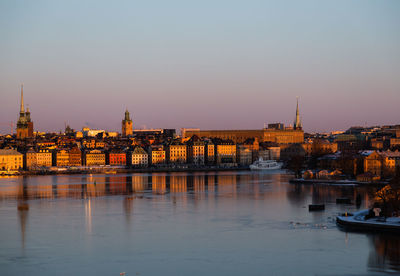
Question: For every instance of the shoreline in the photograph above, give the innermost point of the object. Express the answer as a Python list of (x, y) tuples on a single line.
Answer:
[(119, 170), (357, 222)]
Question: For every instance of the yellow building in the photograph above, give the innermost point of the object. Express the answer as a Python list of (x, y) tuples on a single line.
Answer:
[(373, 163), (157, 155), (36, 159), (94, 158), (10, 160), (44, 158), (62, 158), (210, 153), (226, 153), (30, 159), (177, 154)]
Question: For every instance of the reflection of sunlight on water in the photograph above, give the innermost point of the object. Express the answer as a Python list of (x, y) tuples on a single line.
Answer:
[(88, 216)]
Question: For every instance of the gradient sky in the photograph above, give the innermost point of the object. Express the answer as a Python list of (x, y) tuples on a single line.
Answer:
[(212, 64)]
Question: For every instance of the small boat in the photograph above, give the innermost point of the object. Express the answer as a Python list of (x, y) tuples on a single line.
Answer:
[(262, 165)]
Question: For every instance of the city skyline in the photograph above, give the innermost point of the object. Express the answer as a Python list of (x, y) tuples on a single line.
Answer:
[(85, 64)]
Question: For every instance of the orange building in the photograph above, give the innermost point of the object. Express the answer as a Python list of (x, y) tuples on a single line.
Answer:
[(116, 158)]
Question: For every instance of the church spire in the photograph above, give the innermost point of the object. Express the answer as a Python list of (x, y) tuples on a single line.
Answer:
[(22, 110), (297, 121)]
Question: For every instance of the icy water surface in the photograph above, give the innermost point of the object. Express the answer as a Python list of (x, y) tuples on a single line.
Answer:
[(226, 223)]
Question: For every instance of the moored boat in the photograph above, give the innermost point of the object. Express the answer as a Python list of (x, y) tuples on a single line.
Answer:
[(262, 165)]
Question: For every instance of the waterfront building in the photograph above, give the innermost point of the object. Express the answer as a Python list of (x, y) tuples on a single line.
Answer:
[(245, 155), (158, 155), (274, 153), (226, 153), (94, 158), (270, 153), (61, 158), (36, 159), (30, 159), (75, 157), (10, 160), (44, 157), (116, 157), (196, 151), (254, 146), (24, 124), (176, 153), (264, 154), (127, 126), (139, 157), (209, 153)]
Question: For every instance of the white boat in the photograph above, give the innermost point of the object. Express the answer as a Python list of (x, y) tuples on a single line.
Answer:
[(263, 165)]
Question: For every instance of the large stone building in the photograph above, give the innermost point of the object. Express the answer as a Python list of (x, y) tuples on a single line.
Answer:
[(226, 153), (176, 153), (75, 157), (279, 136), (24, 124), (275, 133), (10, 160), (157, 155), (127, 126), (94, 158), (34, 159)]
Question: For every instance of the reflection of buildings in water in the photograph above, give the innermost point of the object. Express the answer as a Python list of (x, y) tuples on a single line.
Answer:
[(385, 252), (139, 183), (159, 184), (178, 183), (88, 215), (128, 208), (226, 184), (300, 193), (23, 208), (297, 194), (199, 186)]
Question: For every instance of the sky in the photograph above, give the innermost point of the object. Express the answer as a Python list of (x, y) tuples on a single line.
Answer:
[(210, 64)]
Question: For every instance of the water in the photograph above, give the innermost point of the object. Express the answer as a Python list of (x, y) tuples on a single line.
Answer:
[(226, 223)]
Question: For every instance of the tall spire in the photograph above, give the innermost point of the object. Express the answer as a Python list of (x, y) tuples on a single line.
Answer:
[(22, 99), (297, 122)]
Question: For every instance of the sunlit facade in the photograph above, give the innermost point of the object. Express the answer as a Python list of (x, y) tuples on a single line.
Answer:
[(10, 160)]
